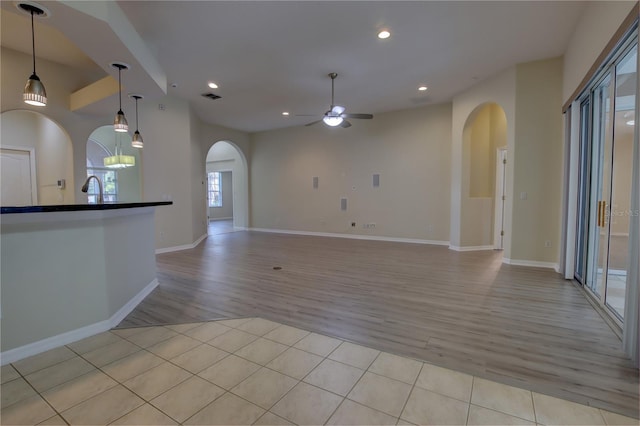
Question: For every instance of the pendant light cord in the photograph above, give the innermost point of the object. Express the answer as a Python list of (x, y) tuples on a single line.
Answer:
[(33, 43), (120, 87), (136, 114)]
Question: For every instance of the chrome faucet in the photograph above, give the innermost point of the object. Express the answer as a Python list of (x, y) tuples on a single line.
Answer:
[(85, 187)]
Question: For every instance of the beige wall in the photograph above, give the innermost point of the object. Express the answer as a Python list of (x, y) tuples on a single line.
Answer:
[(409, 149), (53, 152), (538, 161), (596, 27)]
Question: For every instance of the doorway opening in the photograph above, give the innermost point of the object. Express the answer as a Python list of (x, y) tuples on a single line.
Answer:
[(500, 197), (484, 178), (227, 189)]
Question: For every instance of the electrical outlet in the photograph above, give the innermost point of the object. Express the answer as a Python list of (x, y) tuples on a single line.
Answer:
[(353, 224), (547, 243)]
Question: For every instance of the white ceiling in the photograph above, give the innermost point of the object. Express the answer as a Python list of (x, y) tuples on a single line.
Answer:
[(269, 57)]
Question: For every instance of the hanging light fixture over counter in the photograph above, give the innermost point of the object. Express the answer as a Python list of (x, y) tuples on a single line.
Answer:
[(34, 91), (119, 160), (120, 123), (137, 141)]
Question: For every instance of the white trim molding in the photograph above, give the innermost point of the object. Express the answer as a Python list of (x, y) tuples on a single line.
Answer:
[(182, 247), (471, 248), (353, 236), (16, 354), (531, 263)]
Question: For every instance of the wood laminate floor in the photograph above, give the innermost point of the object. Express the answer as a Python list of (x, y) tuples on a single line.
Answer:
[(468, 311)]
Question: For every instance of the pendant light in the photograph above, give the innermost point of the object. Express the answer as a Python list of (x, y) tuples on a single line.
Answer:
[(120, 123), (34, 92), (119, 160), (137, 141)]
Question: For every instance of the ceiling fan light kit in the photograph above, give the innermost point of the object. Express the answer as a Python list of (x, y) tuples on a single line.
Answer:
[(336, 115)]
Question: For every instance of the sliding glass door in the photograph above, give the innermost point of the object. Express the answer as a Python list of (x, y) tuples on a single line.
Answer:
[(607, 127), (624, 125)]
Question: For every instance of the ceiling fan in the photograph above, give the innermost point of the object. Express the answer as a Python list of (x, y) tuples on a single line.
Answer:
[(336, 115)]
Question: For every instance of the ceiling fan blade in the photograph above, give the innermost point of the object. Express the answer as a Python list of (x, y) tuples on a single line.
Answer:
[(345, 124), (337, 109), (362, 116), (312, 123)]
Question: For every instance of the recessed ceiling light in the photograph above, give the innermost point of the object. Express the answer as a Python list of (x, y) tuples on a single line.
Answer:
[(285, 113), (631, 123), (212, 85), (384, 34), (422, 88)]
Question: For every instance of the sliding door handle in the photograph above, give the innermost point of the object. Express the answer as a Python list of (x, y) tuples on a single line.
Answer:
[(602, 206)]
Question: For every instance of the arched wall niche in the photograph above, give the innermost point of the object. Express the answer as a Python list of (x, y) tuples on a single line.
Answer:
[(484, 133)]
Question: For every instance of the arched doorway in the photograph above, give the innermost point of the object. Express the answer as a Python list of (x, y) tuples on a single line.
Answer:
[(484, 156), (227, 200), (122, 185)]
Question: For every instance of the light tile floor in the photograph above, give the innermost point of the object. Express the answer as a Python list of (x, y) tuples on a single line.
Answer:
[(254, 371)]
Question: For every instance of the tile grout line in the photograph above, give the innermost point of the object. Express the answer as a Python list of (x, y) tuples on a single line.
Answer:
[(39, 394), (112, 378), (533, 404), (404, 406), (473, 381)]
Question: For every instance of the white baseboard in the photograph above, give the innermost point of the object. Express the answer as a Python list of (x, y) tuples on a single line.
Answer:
[(240, 228), (182, 247), (353, 236), (531, 263), (213, 219), (16, 354), (471, 248)]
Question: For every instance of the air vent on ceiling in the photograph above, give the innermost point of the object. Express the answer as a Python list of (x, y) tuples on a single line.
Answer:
[(211, 96)]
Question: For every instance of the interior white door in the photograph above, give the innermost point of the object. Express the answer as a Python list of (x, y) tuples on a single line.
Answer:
[(16, 175)]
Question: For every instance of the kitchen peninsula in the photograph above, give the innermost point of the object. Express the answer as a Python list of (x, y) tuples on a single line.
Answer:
[(71, 271)]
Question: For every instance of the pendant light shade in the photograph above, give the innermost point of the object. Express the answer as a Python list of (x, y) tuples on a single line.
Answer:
[(34, 91), (120, 123), (137, 141)]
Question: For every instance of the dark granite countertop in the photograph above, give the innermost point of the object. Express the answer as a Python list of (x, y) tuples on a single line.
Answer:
[(81, 207)]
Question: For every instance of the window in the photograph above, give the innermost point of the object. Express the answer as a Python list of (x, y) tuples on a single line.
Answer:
[(214, 193), (109, 179)]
